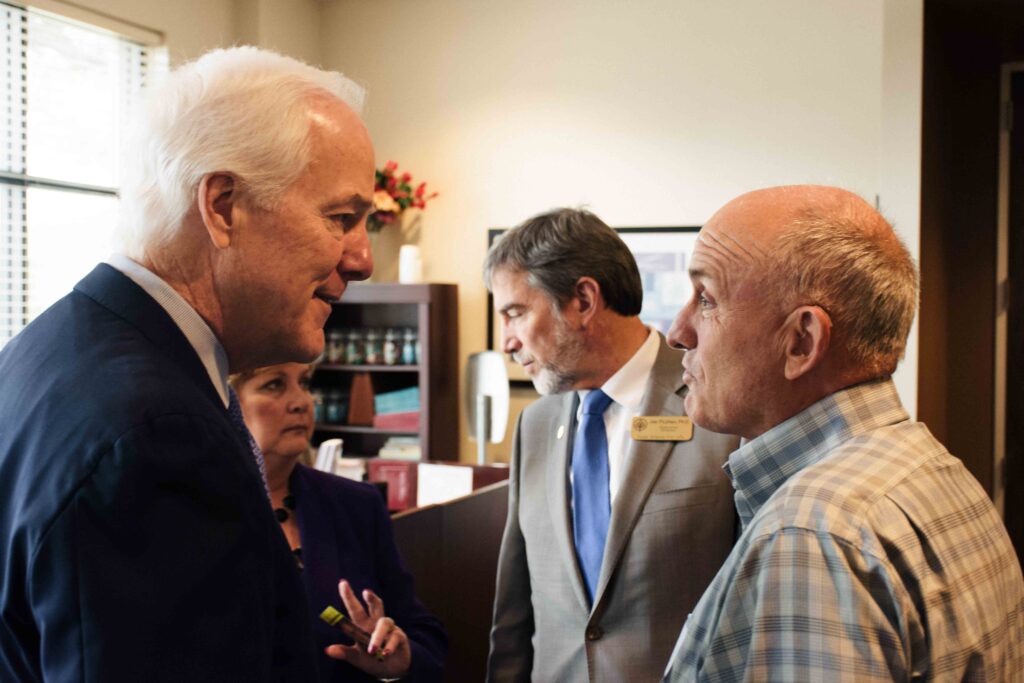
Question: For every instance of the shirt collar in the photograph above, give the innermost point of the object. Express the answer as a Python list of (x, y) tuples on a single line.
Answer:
[(761, 466), (626, 387), (191, 324)]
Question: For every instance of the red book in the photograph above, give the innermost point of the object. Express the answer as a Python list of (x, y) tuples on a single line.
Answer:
[(406, 422), (400, 476)]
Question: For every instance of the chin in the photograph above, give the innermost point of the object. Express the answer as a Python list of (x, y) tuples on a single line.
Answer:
[(541, 388), (693, 411), (308, 347), (547, 383), (298, 447)]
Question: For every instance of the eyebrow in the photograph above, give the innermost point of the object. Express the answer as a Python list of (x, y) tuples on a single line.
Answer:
[(354, 200), (699, 273)]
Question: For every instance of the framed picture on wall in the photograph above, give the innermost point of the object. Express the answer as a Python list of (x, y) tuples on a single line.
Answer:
[(662, 256)]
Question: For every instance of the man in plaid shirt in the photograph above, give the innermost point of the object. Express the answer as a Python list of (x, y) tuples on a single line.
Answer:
[(868, 552)]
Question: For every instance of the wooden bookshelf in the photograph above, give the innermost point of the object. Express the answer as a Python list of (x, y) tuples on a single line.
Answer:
[(432, 311)]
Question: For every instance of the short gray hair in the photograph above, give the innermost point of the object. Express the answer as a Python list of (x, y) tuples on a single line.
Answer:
[(852, 264), (241, 110), (557, 248)]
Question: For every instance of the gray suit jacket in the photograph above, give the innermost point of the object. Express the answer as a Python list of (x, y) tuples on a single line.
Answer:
[(672, 525)]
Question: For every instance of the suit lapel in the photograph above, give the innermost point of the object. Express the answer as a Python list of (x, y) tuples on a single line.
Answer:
[(558, 493), (644, 462), (116, 292)]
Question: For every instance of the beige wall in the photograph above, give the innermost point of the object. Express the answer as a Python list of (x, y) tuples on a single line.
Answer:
[(188, 27), (191, 27), (900, 149), (650, 113), (288, 26)]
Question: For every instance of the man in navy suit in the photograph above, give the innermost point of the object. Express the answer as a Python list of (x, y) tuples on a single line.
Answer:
[(136, 539)]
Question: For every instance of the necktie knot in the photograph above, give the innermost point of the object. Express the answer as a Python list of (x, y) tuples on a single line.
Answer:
[(596, 402)]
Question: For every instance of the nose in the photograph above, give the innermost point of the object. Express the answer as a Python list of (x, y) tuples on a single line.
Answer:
[(300, 401), (356, 258), (682, 334), (509, 342)]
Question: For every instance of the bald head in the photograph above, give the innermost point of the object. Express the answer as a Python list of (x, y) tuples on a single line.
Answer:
[(798, 292), (757, 219), (812, 244)]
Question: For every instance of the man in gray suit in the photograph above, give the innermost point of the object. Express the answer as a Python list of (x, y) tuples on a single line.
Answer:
[(619, 512)]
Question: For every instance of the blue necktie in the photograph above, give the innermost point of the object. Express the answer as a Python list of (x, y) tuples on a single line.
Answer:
[(591, 505), (235, 413)]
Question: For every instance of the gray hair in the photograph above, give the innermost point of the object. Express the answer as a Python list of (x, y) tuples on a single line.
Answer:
[(557, 248), (241, 110), (853, 265)]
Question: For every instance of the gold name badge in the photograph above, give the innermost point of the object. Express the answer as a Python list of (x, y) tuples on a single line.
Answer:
[(661, 428)]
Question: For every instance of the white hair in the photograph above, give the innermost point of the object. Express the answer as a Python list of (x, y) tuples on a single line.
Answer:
[(241, 110)]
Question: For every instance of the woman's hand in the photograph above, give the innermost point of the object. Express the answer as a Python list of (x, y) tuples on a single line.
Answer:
[(388, 655)]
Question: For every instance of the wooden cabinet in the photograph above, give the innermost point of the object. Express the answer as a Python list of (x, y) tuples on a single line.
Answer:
[(430, 310)]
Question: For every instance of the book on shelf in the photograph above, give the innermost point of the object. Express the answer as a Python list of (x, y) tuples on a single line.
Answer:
[(400, 401), (351, 468), (406, 422), (329, 459), (401, 479), (413, 484), (329, 451), (401, 448)]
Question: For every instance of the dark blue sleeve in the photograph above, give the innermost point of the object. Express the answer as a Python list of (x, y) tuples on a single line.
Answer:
[(163, 566)]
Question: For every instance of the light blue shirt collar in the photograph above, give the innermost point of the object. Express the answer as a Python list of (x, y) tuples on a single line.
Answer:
[(761, 466)]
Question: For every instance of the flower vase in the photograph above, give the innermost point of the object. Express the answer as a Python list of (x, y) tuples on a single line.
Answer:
[(384, 245)]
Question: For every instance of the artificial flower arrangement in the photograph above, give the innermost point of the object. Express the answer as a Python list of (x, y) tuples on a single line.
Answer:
[(393, 194)]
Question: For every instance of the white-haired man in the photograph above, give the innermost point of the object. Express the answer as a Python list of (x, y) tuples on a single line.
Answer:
[(136, 538), (868, 553)]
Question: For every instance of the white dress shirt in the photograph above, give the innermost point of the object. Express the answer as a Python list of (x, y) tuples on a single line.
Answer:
[(626, 389), (191, 324)]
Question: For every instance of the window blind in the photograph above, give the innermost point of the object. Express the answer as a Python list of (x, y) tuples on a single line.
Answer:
[(67, 93)]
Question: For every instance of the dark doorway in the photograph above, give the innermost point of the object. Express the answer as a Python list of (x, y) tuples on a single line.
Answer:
[(1015, 318), (965, 45)]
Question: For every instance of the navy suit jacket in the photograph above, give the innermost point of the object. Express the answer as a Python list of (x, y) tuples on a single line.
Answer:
[(346, 534), (136, 538)]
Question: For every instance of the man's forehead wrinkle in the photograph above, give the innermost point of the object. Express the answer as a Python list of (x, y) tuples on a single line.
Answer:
[(727, 246)]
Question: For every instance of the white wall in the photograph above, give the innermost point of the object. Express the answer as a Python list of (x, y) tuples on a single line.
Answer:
[(651, 113), (900, 149)]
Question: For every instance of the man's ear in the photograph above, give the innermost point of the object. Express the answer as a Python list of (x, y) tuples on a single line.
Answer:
[(218, 197), (808, 333), (587, 299)]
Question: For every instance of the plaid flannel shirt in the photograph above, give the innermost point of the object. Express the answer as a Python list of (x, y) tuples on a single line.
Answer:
[(869, 553)]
